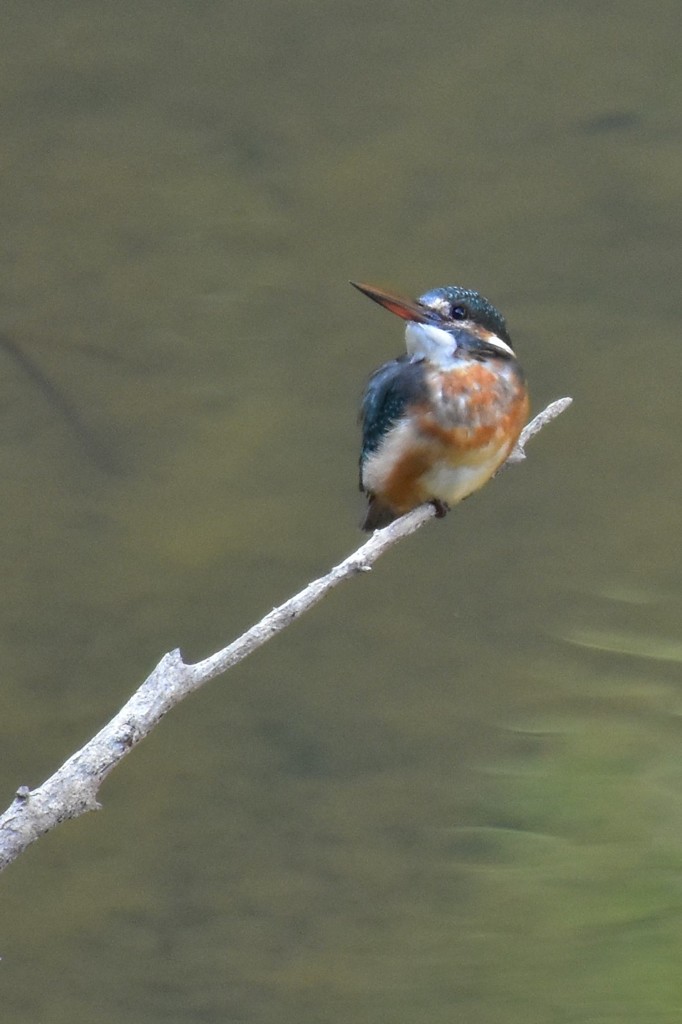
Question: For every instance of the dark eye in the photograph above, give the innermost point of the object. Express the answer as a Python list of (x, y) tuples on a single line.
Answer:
[(459, 312)]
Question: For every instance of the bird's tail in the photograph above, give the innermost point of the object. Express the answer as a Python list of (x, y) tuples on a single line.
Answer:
[(378, 514)]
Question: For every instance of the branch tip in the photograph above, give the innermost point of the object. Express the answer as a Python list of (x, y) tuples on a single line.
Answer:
[(72, 789)]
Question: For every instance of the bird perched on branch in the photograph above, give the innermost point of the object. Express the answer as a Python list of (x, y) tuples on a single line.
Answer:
[(440, 420)]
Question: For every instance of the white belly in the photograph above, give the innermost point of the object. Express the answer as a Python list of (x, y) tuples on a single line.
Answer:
[(453, 483)]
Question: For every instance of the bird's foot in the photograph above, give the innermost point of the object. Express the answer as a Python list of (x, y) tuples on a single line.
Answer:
[(441, 507)]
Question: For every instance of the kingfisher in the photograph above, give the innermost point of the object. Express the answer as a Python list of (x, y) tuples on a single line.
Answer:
[(439, 421)]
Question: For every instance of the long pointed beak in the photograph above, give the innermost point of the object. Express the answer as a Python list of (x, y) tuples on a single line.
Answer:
[(408, 309)]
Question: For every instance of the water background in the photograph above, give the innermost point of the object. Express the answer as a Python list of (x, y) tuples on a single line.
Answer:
[(454, 790)]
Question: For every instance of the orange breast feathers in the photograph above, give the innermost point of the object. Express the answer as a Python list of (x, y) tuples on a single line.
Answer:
[(450, 446), (473, 407)]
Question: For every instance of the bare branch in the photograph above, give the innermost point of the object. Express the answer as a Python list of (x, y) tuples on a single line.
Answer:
[(535, 425), (72, 790)]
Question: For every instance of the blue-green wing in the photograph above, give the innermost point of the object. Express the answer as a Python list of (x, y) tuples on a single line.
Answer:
[(389, 392)]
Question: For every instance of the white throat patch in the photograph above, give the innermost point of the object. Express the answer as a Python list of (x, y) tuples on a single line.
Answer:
[(424, 340)]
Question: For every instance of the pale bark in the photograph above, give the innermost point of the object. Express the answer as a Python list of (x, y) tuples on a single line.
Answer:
[(72, 790)]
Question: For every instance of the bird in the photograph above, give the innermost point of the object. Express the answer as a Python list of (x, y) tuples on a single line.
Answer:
[(439, 421)]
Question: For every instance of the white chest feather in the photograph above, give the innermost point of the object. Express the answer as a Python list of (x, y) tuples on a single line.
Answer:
[(453, 483)]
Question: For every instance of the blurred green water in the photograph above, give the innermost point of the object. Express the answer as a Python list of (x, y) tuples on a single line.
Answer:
[(452, 792)]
